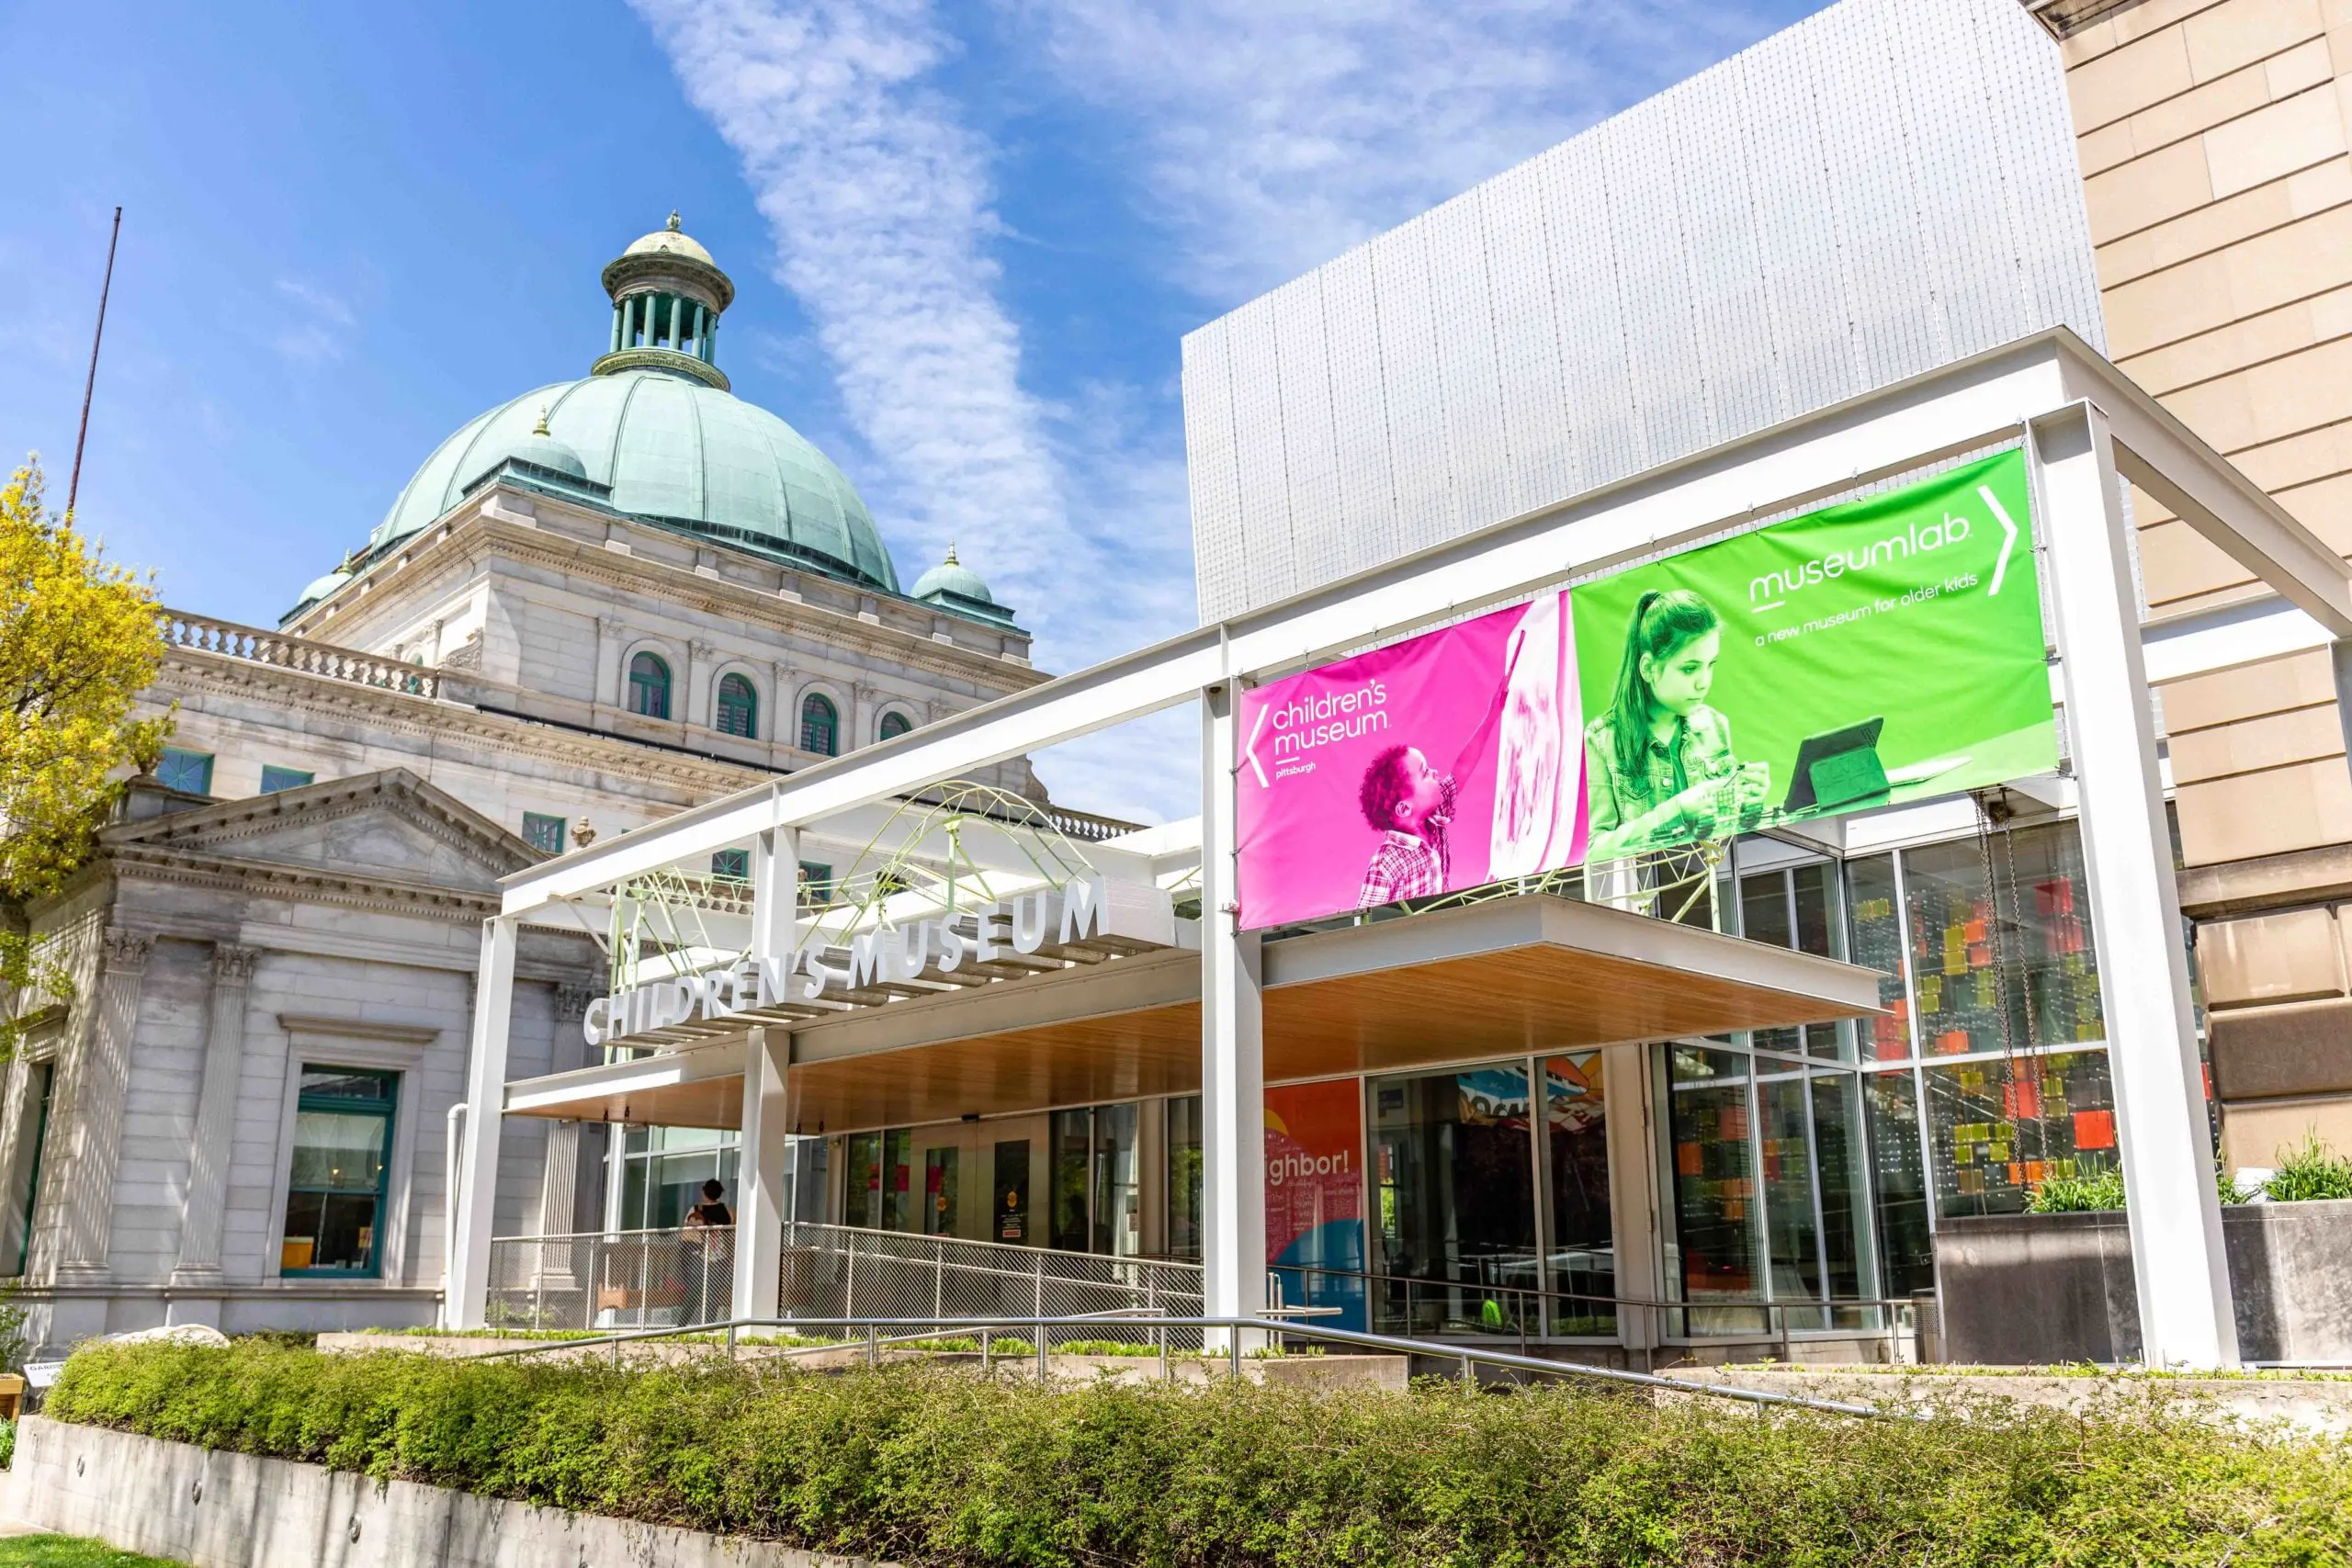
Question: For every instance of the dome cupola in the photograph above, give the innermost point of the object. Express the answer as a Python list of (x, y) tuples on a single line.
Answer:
[(653, 433), (952, 585), (667, 297)]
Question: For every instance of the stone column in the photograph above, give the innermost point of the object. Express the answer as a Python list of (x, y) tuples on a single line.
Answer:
[(205, 1206), (697, 694), (860, 720), (102, 1080), (560, 1175)]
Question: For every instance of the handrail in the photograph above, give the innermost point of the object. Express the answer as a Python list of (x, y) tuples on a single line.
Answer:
[(933, 1327), (1686, 1303)]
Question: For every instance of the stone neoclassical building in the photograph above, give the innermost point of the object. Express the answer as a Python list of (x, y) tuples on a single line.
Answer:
[(599, 602)]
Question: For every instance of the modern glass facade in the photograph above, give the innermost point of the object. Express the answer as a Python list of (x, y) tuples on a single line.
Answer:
[(1800, 1172)]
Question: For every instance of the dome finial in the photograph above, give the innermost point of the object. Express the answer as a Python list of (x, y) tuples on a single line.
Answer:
[(541, 428), (951, 560), (673, 224)]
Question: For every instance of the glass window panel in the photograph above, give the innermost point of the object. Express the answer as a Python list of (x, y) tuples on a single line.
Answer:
[(1876, 934), (633, 1195), (1899, 1180), (1786, 1151), (1840, 1163), (1764, 917), (731, 865), (820, 727), (1583, 1261), (649, 686), (1714, 1185), (895, 725), (339, 1083), (190, 772), (340, 1152), (1998, 1129), (2003, 963), (939, 1191), (738, 706), (1963, 1006), (543, 833), (863, 1177), (1456, 1174), (898, 1181), (1184, 1178), (274, 778), (1118, 1191), (2044, 899), (1764, 908), (1072, 1145)]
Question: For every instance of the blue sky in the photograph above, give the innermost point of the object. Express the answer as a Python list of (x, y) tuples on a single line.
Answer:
[(966, 239)]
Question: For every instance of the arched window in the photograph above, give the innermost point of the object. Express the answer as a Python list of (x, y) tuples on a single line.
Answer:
[(739, 707), (820, 727), (895, 724), (649, 686)]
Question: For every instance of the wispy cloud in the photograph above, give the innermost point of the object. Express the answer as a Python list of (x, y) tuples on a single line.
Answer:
[(1278, 133), (314, 326), (880, 200)]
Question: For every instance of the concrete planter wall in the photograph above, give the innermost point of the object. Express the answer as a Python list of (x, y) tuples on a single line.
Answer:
[(224, 1511), (2028, 1289)]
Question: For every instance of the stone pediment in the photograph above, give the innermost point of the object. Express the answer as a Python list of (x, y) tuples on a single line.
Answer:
[(392, 827)]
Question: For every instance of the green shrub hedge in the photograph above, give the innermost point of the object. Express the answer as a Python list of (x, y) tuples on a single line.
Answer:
[(936, 1466)]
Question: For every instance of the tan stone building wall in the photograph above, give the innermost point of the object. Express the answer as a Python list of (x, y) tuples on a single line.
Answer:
[(2212, 136)]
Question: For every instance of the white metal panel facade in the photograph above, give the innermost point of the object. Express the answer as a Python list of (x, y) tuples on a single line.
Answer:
[(1881, 188)]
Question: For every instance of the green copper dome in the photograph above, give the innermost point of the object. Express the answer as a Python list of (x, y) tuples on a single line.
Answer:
[(656, 426), (674, 450)]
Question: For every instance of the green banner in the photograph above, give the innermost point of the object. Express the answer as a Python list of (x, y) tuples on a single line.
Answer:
[(1884, 650)]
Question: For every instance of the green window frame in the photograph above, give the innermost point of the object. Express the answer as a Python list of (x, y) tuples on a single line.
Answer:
[(731, 865), (649, 686), (274, 778), (816, 883), (543, 832), (46, 1072), (821, 725), (190, 772), (894, 724), (739, 707), (339, 1175)]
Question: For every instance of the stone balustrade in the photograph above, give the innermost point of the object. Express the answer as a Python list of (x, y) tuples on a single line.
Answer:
[(229, 640)]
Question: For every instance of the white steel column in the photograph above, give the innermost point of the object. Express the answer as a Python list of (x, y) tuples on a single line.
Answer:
[(2175, 1218), (762, 1162), (466, 1294), (760, 1170), (1233, 1077)]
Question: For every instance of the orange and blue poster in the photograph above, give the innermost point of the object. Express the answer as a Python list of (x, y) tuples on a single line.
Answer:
[(1315, 1238)]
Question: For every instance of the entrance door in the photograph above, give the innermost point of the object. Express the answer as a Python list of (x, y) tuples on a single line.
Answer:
[(1020, 1194), (944, 1169)]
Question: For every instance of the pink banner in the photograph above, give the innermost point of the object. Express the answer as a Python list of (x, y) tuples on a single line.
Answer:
[(1442, 764)]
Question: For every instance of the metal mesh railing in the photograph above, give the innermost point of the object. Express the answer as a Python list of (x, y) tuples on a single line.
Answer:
[(844, 1271), (661, 1279), (652, 1279)]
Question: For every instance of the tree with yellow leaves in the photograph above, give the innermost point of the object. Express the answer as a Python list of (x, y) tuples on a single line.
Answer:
[(79, 636)]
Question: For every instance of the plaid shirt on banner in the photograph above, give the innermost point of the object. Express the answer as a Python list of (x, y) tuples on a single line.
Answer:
[(1407, 865)]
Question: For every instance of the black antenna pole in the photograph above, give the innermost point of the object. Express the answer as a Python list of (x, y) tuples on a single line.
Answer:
[(73, 489)]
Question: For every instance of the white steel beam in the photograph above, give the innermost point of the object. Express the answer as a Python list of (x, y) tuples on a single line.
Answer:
[(1944, 411), (2172, 463), (1233, 1051), (2186, 1318), (466, 1294), (759, 1171)]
